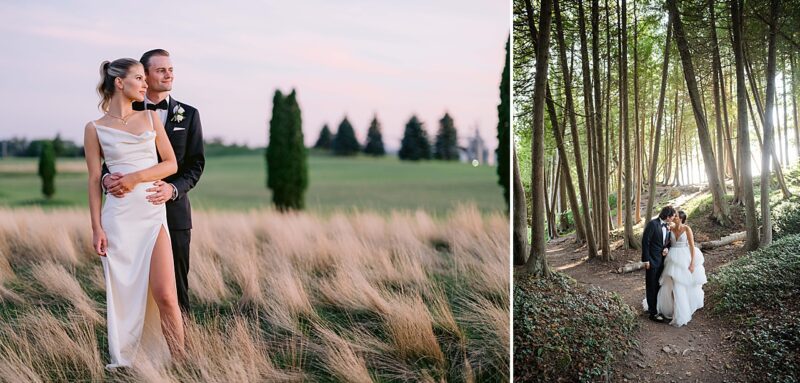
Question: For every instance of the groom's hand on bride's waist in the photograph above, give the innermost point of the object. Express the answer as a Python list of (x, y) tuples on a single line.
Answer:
[(161, 192), (664, 252)]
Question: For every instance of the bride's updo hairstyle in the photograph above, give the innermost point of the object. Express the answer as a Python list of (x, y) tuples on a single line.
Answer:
[(682, 216), (109, 71)]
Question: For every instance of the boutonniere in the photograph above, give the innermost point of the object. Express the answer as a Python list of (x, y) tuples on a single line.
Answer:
[(177, 113)]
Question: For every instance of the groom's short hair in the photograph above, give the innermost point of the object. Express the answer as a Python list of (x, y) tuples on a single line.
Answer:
[(145, 60), (667, 211)]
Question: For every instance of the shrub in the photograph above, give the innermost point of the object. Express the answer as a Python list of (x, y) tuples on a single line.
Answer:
[(47, 169), (565, 332), (760, 293), (786, 218)]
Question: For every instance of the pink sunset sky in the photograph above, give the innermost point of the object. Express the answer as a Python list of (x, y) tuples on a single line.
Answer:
[(353, 58)]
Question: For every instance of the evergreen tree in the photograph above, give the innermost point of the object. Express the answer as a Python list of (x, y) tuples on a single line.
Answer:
[(374, 144), (287, 169), (325, 138), (58, 145), (503, 127), (345, 142), (415, 145), (47, 169), (446, 147)]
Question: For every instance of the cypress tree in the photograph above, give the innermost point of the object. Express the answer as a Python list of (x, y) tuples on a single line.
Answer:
[(287, 169), (446, 147), (345, 142), (415, 145), (325, 138), (374, 144), (47, 169), (503, 128)]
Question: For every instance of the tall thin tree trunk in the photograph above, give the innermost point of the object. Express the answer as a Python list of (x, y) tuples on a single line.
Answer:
[(719, 125), (721, 211), (728, 144), (629, 240), (554, 171), (637, 169), (570, 110), (607, 120), (520, 235), (548, 179), (602, 166), (563, 224), (776, 127), (558, 133), (537, 261), (659, 119), (794, 108), (785, 113), (687, 163), (588, 109), (697, 162), (671, 138), (678, 137), (766, 232), (760, 108)]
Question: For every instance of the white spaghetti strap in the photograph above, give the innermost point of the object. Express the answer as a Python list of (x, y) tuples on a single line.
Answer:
[(93, 124), (150, 114)]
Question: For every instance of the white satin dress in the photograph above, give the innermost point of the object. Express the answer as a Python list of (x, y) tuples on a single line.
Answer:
[(131, 224), (681, 292)]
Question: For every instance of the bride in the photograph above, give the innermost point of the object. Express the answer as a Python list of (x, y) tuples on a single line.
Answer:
[(681, 292), (130, 233)]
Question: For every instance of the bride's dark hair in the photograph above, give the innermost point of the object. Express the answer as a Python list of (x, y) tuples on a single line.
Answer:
[(682, 216), (109, 71)]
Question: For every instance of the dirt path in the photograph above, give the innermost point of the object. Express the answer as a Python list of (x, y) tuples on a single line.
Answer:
[(701, 351)]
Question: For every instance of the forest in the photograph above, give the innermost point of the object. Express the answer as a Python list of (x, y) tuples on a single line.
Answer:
[(622, 107)]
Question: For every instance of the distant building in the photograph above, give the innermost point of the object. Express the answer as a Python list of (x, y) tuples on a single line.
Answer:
[(476, 151)]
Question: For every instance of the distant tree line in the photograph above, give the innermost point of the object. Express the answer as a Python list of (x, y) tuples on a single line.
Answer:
[(22, 147), (414, 146)]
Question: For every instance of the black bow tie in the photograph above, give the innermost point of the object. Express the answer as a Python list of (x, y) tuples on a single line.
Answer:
[(161, 105), (664, 224)]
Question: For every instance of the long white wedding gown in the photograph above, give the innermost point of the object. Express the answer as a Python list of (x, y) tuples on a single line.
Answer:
[(132, 225), (681, 292)]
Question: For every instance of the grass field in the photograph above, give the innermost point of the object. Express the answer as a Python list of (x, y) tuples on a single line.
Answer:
[(238, 183), (356, 297)]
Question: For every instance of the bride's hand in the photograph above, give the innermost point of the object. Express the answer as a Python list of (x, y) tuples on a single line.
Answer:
[(128, 181), (691, 268), (99, 242)]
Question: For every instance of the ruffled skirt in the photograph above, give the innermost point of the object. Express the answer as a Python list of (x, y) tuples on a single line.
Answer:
[(681, 292)]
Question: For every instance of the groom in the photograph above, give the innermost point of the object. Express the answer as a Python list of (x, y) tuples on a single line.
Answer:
[(182, 124), (655, 241)]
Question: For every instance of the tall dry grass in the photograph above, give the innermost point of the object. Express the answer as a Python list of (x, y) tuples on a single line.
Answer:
[(275, 297)]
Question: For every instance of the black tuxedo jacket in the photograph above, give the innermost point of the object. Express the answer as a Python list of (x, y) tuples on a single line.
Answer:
[(653, 243), (186, 137)]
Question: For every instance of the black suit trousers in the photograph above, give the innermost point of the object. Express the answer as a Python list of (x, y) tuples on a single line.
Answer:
[(652, 286), (180, 256)]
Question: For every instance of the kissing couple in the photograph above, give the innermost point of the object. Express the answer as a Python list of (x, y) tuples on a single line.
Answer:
[(674, 272)]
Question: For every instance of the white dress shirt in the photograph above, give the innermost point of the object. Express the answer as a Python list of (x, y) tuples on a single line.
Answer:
[(664, 230), (162, 113)]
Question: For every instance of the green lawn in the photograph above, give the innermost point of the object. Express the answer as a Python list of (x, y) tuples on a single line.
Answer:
[(238, 183)]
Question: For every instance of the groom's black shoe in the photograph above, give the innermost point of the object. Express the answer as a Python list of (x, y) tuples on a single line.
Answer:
[(657, 318)]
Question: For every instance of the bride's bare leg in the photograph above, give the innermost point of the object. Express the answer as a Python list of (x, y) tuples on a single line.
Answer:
[(164, 290)]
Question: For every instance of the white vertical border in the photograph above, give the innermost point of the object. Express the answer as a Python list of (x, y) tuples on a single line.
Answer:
[(510, 144)]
